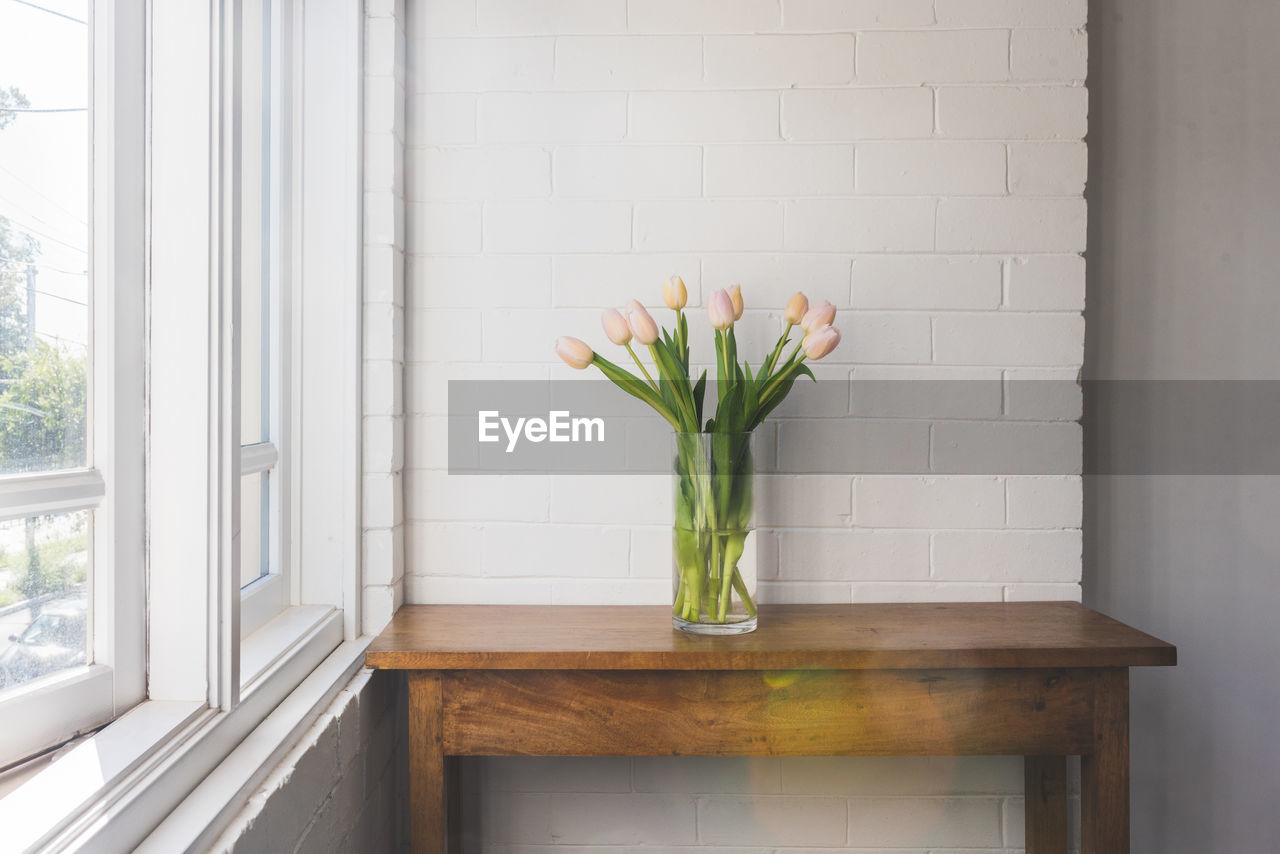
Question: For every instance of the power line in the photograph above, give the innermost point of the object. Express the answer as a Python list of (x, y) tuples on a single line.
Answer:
[(43, 109), (51, 11), (36, 190), (29, 230)]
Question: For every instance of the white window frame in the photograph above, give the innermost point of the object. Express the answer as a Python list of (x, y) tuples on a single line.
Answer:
[(48, 711), (208, 692)]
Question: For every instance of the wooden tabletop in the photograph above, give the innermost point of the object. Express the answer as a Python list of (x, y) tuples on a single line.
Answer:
[(821, 637)]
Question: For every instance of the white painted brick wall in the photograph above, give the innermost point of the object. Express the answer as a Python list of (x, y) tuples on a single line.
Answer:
[(920, 163), (384, 316), (338, 789)]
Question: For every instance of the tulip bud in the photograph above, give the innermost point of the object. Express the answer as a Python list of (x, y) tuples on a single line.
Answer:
[(643, 325), (575, 352), (615, 326), (820, 342), (735, 297), (796, 308), (720, 310), (822, 314), (674, 293)]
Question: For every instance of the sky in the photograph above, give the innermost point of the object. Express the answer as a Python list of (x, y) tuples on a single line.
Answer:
[(44, 157)]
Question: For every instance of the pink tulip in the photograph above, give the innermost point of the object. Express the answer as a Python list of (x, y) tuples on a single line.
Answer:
[(615, 326), (735, 297), (796, 308), (822, 314), (643, 326), (674, 293), (720, 310), (575, 352), (820, 342)]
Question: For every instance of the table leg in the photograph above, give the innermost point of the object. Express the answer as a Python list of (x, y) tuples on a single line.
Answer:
[(1046, 804), (427, 795), (1104, 773)]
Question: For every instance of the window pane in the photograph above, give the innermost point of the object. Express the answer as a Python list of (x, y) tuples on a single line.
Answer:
[(44, 596), (254, 532), (44, 235), (255, 220)]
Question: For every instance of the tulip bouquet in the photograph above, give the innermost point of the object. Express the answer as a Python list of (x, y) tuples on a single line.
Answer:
[(713, 464)]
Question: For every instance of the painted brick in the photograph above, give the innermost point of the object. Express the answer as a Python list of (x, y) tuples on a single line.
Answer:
[(559, 226), (628, 172), (521, 118), (947, 502), (852, 555), (930, 168), (1042, 593), (1041, 112), (628, 62), (779, 170), (480, 65), (1007, 447), (482, 173), (1058, 56), (1048, 168), (1046, 283), (703, 116), (866, 446), (925, 591), (850, 114), (772, 820), (454, 590), (1006, 338), (870, 775), (708, 226), (860, 225), (487, 498), (810, 501), (600, 281), (1007, 555), (1043, 394), (926, 391), (815, 16), (1011, 13), (803, 593), (1010, 224), (442, 18), (1044, 502), (551, 17), (442, 119), (779, 60), (622, 591), (926, 282), (605, 819), (555, 774), (547, 551), (771, 279), (705, 16), (901, 822), (444, 228), (938, 56), (480, 281), (699, 774)]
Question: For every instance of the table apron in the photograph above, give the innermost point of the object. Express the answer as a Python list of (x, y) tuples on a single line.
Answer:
[(1031, 712)]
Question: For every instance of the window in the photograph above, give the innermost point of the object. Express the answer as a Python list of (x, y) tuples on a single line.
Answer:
[(217, 538), (70, 651), (264, 83)]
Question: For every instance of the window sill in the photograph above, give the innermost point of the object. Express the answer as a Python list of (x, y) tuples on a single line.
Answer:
[(180, 768)]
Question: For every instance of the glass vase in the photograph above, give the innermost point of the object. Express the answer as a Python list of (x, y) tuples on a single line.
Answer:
[(713, 540)]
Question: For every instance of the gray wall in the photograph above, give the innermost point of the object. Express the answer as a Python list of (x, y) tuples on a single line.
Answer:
[(1184, 249)]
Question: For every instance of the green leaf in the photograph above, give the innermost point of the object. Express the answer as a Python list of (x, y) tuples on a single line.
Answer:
[(699, 391)]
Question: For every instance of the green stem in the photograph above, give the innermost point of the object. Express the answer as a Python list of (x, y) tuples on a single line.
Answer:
[(777, 350), (641, 366)]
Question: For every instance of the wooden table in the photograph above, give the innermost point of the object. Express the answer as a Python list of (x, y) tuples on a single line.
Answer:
[(1043, 680)]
